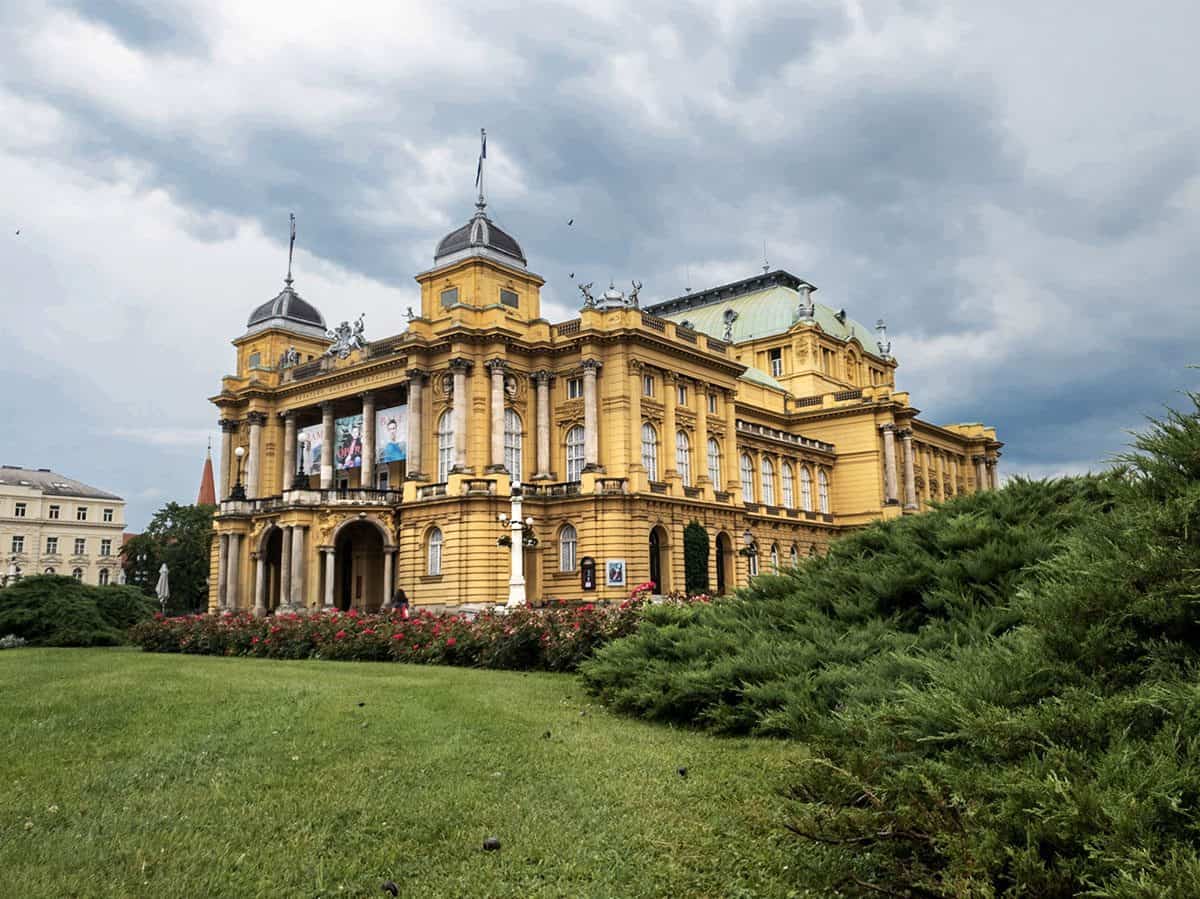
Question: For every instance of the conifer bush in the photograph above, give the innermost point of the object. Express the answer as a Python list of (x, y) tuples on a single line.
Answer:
[(53, 610), (999, 698)]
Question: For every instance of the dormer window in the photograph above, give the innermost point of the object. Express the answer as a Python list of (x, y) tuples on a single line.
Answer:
[(776, 356), (509, 298), (449, 297), (255, 360)]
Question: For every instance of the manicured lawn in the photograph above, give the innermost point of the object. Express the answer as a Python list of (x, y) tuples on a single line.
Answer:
[(126, 774)]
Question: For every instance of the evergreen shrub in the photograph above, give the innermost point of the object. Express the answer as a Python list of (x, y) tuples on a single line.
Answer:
[(53, 610)]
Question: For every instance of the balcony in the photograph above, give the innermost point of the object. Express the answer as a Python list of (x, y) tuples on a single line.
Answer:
[(431, 491), (548, 490), (349, 496)]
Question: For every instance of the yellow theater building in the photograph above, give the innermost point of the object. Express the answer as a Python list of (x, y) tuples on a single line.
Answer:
[(352, 467)]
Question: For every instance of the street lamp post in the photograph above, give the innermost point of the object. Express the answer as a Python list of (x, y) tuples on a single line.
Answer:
[(517, 541), (300, 482), (239, 491)]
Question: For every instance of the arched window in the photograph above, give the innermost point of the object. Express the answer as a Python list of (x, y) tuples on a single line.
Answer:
[(823, 491), (575, 453), (714, 463), (77, 574), (747, 478), (768, 482), (435, 551), (789, 490), (568, 543), (775, 557), (795, 555), (650, 451), (445, 445), (805, 488), (48, 571), (683, 458), (103, 577), (752, 564), (512, 442)]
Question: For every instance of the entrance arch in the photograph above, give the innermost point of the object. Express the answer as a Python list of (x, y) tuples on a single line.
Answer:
[(360, 572), (270, 550), (725, 559), (660, 559)]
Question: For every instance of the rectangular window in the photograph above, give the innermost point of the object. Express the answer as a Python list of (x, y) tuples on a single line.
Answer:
[(81, 513), (776, 362), (108, 514), (255, 360), (18, 544), (574, 388), (449, 297), (19, 510), (681, 395), (106, 547), (509, 298), (52, 546), (343, 484), (80, 546), (383, 479), (55, 512), (712, 404), (647, 385)]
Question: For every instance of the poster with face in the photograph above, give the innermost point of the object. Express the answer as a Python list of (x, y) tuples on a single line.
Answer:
[(391, 430), (308, 452), (614, 570), (347, 437)]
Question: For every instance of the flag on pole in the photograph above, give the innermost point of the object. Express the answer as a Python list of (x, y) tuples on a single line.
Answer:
[(482, 156)]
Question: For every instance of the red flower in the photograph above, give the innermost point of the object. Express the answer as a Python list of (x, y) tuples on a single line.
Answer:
[(397, 636), (450, 641), (339, 635)]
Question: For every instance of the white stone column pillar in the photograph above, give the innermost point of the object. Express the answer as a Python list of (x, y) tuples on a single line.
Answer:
[(256, 421), (389, 577), (288, 476), (954, 474), (497, 369), (591, 416), (993, 467), (980, 476), (285, 568), (326, 445), (227, 428), (233, 578), (939, 469), (222, 571), (910, 478), (329, 566), (891, 496), (416, 400), (260, 585), (542, 380), (297, 579), (366, 475), (462, 408), (700, 450)]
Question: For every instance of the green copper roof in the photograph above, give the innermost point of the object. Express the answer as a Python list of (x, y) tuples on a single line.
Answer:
[(755, 376)]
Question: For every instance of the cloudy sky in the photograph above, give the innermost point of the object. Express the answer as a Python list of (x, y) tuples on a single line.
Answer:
[(1013, 186)]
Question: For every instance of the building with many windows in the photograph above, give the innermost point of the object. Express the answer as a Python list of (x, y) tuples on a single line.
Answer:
[(51, 524), (351, 467)]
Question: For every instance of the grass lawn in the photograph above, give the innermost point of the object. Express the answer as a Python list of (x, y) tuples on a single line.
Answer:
[(128, 774)]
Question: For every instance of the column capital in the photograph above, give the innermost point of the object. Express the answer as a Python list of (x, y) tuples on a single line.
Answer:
[(460, 364), (990, 463), (256, 418), (888, 427), (542, 376), (326, 406), (367, 394), (905, 433), (591, 365), (496, 365), (636, 366), (417, 374), (228, 425), (285, 414)]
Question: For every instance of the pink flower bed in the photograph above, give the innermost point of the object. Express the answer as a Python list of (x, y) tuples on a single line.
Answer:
[(556, 638)]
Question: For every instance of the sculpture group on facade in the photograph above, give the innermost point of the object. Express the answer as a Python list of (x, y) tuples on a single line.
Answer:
[(347, 338)]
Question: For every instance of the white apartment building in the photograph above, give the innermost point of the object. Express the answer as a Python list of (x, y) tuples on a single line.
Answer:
[(51, 524)]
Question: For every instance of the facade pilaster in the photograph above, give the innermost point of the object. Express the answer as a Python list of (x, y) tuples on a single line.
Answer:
[(497, 368), (542, 381), (285, 568), (669, 468), (417, 378), (233, 577), (228, 426), (700, 451), (328, 552), (591, 416), (910, 477), (980, 476), (297, 579), (222, 571), (732, 479), (462, 407), (326, 445), (288, 475), (636, 471), (891, 494), (367, 472), (389, 577), (939, 466), (256, 420), (260, 584)]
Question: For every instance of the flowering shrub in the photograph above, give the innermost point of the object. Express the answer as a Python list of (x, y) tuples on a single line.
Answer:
[(556, 638)]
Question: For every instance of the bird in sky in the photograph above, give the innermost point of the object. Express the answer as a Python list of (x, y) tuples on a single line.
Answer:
[(18, 232), (570, 222), (572, 274)]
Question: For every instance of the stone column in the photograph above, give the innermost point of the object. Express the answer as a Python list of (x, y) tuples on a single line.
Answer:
[(329, 565), (667, 452), (891, 492), (256, 421), (285, 569), (910, 478), (233, 578), (222, 571), (700, 451), (635, 418), (260, 585), (591, 417), (954, 474), (288, 477), (227, 429), (733, 482), (326, 445), (497, 368), (297, 584), (416, 400), (993, 469), (980, 482), (939, 466), (389, 577), (542, 380), (366, 474), (462, 408)]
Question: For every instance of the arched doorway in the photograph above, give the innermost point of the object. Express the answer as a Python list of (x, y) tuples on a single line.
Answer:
[(725, 559), (358, 567), (271, 551), (660, 559)]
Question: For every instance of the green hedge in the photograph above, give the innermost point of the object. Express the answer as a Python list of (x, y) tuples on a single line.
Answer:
[(52, 610)]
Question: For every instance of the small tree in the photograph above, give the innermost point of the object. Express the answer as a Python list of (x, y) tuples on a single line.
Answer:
[(695, 558), (181, 536)]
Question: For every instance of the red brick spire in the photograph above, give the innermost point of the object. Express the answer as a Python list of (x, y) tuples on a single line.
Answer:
[(208, 493)]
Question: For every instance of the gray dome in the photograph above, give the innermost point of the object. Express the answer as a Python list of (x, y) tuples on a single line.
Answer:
[(287, 307), (479, 237)]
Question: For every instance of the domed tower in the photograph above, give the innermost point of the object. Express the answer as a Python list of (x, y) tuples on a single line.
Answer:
[(477, 268)]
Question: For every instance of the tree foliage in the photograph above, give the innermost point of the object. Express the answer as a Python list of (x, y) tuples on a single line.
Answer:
[(181, 536), (999, 698), (52, 610), (695, 558)]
